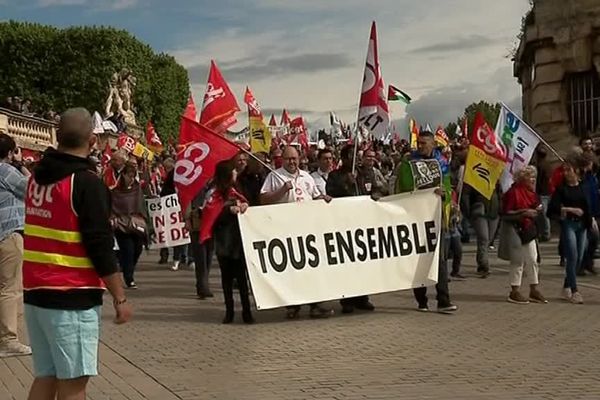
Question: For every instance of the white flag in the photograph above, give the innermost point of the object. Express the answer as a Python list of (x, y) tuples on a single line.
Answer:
[(98, 128), (520, 141)]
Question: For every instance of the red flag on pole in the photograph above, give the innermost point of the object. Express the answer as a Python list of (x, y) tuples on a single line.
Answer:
[(285, 118), (298, 133), (152, 139), (272, 121), (106, 155), (199, 151), (220, 105), (190, 109), (373, 112)]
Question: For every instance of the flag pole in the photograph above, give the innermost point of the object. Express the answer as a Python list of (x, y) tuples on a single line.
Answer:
[(536, 134)]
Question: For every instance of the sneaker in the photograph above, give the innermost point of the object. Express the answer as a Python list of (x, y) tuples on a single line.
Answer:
[(192, 266), (365, 306), (321, 312), (175, 266), (14, 349), (450, 308), (567, 294), (484, 274), (577, 298), (536, 297), (423, 308), (492, 247), (516, 297), (457, 277), (132, 285)]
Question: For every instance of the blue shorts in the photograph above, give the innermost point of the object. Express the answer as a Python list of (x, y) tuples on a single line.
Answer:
[(64, 342)]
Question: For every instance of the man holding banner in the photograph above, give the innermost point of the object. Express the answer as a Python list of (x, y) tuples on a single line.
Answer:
[(290, 184), (423, 169)]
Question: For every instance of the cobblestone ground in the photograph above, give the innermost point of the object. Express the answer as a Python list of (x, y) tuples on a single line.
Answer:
[(177, 349)]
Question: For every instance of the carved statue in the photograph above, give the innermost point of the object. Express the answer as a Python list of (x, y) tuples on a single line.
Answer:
[(120, 96)]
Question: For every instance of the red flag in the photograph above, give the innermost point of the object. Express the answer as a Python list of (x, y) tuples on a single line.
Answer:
[(212, 210), (220, 105), (190, 110), (484, 138), (253, 107), (466, 127), (298, 132), (285, 118), (106, 155), (272, 122), (126, 142), (199, 151), (373, 111), (152, 139)]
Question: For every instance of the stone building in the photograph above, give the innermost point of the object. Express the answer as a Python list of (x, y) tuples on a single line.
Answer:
[(558, 65)]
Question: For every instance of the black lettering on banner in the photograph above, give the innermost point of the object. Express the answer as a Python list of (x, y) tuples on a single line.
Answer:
[(420, 248), (279, 267), (404, 242), (387, 244), (260, 247), (358, 235), (298, 264), (312, 250), (430, 235), (372, 243), (344, 246), (330, 249)]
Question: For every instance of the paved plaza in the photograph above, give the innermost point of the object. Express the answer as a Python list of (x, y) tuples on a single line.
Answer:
[(176, 347)]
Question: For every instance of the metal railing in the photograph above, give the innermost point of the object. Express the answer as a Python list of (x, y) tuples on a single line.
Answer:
[(583, 90)]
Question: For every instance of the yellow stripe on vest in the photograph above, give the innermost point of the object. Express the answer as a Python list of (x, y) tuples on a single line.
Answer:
[(54, 234), (56, 259)]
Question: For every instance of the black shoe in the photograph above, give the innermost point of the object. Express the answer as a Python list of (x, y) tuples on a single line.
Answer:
[(247, 317), (592, 270), (347, 309), (163, 261), (447, 309), (484, 274), (365, 306), (321, 312), (457, 277), (228, 317), (581, 272)]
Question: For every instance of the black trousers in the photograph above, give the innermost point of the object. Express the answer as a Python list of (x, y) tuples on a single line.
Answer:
[(443, 294), (130, 249), (454, 251), (354, 301), (202, 254), (232, 268)]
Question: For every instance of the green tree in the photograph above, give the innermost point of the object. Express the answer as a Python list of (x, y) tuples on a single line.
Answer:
[(451, 130), (61, 68), (490, 113)]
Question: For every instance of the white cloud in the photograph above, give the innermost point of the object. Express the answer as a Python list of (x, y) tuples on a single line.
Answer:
[(96, 5)]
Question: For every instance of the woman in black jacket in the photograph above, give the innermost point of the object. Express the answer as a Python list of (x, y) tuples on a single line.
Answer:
[(220, 221)]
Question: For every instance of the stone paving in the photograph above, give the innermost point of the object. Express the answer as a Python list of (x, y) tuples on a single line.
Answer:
[(176, 347)]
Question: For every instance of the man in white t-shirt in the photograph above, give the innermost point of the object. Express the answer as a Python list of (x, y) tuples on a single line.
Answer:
[(325, 158), (290, 184)]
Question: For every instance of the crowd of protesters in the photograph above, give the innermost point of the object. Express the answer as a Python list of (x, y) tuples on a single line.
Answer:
[(107, 227)]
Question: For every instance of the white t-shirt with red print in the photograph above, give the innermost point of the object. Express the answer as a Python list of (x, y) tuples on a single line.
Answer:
[(304, 187)]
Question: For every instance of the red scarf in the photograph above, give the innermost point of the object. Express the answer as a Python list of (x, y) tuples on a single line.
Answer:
[(212, 210), (520, 197)]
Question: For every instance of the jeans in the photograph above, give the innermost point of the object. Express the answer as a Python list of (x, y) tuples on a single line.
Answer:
[(179, 253), (546, 234), (485, 229), (574, 236), (232, 268), (443, 295), (202, 255), (130, 249), (454, 250)]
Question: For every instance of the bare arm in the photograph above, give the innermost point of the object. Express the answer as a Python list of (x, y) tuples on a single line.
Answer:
[(273, 197)]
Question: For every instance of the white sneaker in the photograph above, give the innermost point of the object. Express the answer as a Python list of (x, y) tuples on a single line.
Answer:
[(567, 294), (175, 266), (192, 266), (14, 349), (577, 298)]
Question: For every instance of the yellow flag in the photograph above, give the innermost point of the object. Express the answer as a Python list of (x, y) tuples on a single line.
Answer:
[(482, 171), (142, 151), (260, 136)]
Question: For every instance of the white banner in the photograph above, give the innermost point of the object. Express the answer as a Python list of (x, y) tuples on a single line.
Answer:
[(167, 220), (520, 142), (307, 252)]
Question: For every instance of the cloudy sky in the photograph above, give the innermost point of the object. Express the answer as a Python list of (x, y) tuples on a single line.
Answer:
[(308, 55)]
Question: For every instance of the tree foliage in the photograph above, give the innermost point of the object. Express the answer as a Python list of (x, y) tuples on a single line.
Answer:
[(61, 68), (490, 113)]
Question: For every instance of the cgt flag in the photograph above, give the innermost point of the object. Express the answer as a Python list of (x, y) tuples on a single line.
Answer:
[(441, 138), (190, 109), (373, 112), (260, 134), (486, 158), (199, 151), (152, 139), (220, 105), (414, 133), (298, 133)]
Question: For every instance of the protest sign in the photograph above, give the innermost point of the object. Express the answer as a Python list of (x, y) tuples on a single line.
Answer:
[(167, 220), (300, 253), (143, 152)]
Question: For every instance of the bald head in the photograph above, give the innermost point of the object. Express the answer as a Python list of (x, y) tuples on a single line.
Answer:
[(75, 129), (290, 159)]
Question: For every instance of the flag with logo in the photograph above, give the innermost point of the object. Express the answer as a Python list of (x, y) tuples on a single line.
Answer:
[(520, 142), (414, 133), (395, 94), (199, 151), (260, 135), (441, 138), (298, 133), (106, 155), (373, 112), (486, 158), (152, 139), (220, 106), (190, 109)]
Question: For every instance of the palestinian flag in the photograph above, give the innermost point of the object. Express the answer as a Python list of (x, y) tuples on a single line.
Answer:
[(395, 94)]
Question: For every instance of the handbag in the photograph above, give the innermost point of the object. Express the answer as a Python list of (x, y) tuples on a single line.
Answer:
[(131, 224), (527, 234)]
